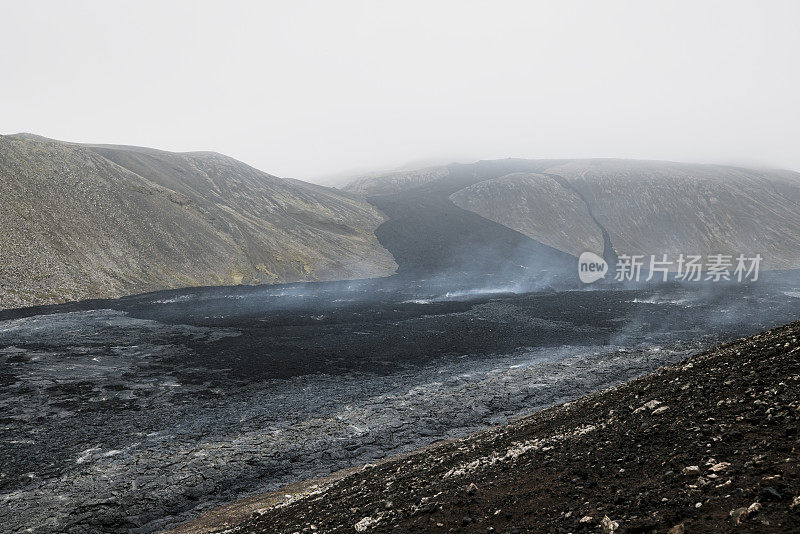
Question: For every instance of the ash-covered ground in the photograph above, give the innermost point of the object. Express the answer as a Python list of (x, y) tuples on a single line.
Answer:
[(136, 414)]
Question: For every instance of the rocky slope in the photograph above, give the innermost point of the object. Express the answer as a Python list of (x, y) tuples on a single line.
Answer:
[(633, 207), (430, 237), (81, 221), (538, 206), (706, 445), (88, 221)]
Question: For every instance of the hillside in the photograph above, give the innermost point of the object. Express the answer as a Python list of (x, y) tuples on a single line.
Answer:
[(85, 221), (707, 445), (569, 206), (431, 237), (103, 221)]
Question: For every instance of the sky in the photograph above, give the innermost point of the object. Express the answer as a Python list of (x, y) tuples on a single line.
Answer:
[(323, 91)]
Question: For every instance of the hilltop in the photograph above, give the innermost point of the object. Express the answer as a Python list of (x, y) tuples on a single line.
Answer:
[(88, 221)]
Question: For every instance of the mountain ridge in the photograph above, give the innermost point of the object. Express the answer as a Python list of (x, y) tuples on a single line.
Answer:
[(92, 220), (638, 207), (85, 221)]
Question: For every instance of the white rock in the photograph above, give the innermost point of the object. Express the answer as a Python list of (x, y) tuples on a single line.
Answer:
[(365, 523), (691, 470), (719, 467), (647, 406), (608, 525)]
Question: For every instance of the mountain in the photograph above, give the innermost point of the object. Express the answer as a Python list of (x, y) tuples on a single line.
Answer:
[(86, 221), (569, 206)]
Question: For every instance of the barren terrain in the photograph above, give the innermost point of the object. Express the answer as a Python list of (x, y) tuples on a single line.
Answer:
[(709, 444)]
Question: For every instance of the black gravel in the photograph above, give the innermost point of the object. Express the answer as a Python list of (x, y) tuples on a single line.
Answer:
[(135, 414)]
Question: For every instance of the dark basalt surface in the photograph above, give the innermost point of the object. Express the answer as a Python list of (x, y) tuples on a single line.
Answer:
[(426, 233), (706, 445), (135, 414)]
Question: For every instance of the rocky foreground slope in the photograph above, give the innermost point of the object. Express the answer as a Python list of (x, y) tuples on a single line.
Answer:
[(89, 221), (707, 445)]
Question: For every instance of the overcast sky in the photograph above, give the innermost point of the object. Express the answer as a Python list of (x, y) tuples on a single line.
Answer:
[(319, 89)]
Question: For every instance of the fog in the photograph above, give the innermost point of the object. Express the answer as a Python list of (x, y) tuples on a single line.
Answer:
[(326, 90)]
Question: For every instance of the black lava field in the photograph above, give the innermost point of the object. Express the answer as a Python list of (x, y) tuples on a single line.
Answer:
[(136, 414)]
